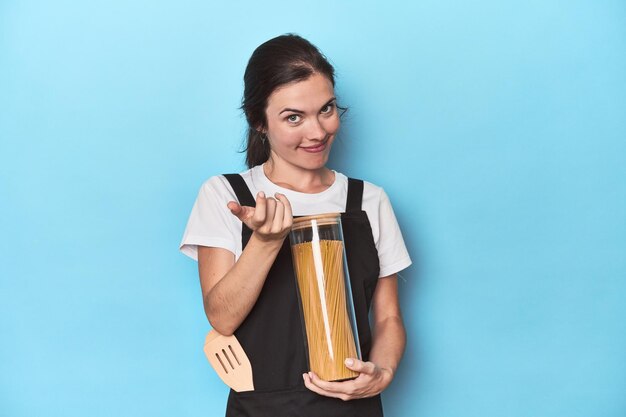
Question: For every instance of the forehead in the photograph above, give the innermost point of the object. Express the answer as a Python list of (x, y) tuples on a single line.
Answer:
[(306, 95)]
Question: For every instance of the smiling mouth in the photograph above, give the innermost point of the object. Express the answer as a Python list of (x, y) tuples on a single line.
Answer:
[(316, 148)]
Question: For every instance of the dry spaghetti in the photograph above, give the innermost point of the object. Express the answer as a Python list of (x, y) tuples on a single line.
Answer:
[(319, 271)]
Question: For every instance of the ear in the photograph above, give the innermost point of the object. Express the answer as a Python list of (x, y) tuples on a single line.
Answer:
[(261, 129)]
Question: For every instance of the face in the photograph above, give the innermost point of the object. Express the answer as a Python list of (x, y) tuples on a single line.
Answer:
[(302, 121)]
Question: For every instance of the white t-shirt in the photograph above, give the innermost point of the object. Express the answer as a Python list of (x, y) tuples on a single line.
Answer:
[(212, 224)]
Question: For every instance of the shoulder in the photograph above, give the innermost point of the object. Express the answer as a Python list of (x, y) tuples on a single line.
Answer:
[(216, 182), (372, 194), (372, 190), (218, 186), (215, 188)]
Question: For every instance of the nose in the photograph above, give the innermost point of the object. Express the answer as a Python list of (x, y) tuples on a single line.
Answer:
[(315, 130)]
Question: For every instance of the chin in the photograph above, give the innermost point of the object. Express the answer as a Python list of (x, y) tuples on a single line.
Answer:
[(318, 163)]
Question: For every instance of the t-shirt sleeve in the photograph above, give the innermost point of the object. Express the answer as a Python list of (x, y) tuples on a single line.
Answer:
[(392, 253), (211, 223)]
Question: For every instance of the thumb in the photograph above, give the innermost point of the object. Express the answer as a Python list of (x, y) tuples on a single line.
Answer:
[(243, 213), (235, 208), (360, 366)]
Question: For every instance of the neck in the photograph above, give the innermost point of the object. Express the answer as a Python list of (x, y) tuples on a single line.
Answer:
[(298, 179)]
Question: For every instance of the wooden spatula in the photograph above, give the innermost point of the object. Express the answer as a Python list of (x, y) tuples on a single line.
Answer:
[(227, 357)]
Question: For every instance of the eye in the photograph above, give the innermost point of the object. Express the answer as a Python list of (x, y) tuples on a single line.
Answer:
[(328, 108), (293, 118)]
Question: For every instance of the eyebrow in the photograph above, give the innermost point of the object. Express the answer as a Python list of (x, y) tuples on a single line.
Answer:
[(301, 112)]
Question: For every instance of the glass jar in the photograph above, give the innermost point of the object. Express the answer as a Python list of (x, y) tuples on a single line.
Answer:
[(325, 295)]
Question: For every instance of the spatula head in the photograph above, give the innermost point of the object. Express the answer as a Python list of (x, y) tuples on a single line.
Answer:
[(227, 357)]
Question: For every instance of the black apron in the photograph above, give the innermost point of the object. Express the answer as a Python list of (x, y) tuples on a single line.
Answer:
[(272, 334)]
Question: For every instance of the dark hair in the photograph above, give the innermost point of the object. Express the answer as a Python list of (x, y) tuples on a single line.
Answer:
[(282, 60)]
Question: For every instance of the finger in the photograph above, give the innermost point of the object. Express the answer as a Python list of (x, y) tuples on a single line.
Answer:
[(259, 212), (234, 208), (308, 382), (337, 388), (269, 214), (277, 222), (243, 213), (287, 214), (360, 366)]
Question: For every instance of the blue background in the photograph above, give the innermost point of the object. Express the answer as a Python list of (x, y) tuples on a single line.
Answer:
[(497, 128)]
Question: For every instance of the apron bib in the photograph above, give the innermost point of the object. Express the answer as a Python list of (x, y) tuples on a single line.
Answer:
[(272, 335)]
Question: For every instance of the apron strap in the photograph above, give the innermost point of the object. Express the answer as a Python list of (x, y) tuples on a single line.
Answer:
[(241, 189), (355, 195)]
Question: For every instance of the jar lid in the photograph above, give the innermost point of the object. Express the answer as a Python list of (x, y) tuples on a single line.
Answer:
[(320, 219)]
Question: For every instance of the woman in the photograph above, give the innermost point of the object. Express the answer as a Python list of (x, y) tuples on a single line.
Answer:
[(238, 227)]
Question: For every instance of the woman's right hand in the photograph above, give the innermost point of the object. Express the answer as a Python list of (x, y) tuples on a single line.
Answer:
[(230, 287), (270, 220)]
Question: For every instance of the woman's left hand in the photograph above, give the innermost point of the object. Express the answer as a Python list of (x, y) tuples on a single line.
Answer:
[(371, 381)]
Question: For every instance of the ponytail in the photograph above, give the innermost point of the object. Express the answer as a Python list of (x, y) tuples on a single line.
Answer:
[(257, 149)]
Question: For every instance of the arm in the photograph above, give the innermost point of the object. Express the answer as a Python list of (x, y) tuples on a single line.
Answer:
[(389, 340), (230, 289)]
